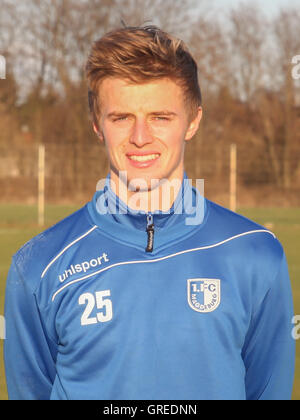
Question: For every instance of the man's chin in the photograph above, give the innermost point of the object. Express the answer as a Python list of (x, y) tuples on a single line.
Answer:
[(142, 184)]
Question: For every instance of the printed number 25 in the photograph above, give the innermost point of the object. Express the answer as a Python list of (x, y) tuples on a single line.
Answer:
[(99, 300)]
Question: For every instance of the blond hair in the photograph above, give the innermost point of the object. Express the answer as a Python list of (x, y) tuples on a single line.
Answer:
[(140, 55)]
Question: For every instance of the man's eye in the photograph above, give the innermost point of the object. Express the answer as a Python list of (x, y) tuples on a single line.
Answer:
[(120, 119), (162, 118)]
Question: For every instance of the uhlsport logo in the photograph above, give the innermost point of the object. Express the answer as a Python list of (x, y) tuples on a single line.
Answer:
[(204, 295)]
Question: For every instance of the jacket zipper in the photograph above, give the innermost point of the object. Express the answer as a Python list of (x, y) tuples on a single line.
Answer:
[(150, 233)]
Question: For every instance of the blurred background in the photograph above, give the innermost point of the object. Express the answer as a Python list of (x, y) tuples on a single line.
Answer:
[(250, 98), (249, 74)]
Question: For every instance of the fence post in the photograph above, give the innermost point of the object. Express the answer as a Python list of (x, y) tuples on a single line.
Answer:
[(41, 185), (2, 328), (2, 67), (233, 169)]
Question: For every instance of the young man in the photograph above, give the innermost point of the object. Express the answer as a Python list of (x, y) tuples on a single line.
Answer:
[(148, 292)]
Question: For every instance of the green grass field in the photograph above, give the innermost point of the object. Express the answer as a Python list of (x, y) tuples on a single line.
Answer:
[(18, 224)]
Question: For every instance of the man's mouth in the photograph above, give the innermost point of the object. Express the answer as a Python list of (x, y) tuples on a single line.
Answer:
[(144, 158)]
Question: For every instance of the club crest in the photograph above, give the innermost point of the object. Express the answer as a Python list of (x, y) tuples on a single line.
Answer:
[(204, 295)]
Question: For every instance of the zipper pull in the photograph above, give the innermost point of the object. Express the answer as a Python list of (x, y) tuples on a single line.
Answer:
[(150, 233)]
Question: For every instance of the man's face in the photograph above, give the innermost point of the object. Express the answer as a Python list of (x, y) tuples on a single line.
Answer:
[(144, 128)]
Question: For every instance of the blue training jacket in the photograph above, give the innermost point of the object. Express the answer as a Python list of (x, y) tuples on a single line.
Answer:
[(204, 312)]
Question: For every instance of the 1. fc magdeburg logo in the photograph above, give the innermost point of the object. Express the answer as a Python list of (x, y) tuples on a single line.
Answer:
[(204, 295)]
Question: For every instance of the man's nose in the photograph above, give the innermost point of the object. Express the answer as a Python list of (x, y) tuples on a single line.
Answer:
[(140, 134)]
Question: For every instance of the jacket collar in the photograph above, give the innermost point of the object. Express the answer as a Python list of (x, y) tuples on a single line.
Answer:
[(183, 207), (116, 220)]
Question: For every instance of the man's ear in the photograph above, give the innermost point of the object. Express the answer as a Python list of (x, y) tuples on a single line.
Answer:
[(98, 132), (194, 125)]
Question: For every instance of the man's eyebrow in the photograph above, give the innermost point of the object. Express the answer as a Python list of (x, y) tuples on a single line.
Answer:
[(167, 113), (118, 114), (126, 114)]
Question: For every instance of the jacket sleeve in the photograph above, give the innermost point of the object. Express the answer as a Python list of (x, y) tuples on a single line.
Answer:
[(29, 354), (269, 349)]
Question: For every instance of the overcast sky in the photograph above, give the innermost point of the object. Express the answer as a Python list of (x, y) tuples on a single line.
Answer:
[(270, 7)]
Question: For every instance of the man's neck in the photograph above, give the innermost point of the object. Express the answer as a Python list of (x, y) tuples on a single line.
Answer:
[(159, 198)]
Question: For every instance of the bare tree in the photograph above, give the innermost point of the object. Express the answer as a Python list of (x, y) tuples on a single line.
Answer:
[(287, 38), (172, 16), (246, 36), (275, 105)]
